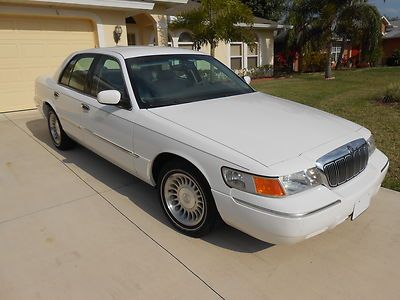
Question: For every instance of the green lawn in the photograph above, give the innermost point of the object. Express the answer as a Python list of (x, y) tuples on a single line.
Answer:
[(350, 96)]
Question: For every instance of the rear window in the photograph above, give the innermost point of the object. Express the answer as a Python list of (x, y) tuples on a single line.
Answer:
[(75, 74)]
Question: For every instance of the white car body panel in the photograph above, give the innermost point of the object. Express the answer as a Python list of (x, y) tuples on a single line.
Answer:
[(254, 118), (256, 133)]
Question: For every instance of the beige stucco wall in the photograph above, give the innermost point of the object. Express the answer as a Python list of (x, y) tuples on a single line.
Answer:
[(222, 52), (104, 21), (148, 27)]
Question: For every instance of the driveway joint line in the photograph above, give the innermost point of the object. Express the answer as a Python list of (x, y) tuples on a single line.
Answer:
[(121, 213), (44, 209)]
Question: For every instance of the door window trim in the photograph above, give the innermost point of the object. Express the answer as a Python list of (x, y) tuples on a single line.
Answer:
[(77, 58), (89, 83)]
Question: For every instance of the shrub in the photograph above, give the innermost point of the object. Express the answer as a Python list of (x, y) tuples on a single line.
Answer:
[(392, 93), (313, 62), (260, 72), (394, 60)]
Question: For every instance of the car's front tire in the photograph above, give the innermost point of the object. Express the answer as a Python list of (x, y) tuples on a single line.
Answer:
[(58, 136), (186, 199)]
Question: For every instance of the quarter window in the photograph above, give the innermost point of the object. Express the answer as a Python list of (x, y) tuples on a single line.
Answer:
[(76, 72), (80, 72)]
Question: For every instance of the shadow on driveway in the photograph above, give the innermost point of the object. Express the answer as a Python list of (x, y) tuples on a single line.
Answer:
[(143, 195)]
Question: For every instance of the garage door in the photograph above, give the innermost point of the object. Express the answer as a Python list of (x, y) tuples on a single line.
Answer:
[(33, 46)]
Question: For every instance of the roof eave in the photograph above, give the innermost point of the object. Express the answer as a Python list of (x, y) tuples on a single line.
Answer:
[(265, 26), (110, 4)]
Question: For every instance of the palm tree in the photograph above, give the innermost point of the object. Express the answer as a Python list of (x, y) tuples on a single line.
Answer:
[(319, 22), (216, 20)]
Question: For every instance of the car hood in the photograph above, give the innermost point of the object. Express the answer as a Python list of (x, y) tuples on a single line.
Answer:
[(265, 128)]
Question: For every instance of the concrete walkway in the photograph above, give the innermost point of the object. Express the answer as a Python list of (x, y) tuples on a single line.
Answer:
[(73, 226)]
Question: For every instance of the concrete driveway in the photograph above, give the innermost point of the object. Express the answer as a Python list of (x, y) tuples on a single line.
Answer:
[(73, 226)]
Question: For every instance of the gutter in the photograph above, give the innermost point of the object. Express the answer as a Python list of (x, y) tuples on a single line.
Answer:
[(110, 4), (265, 26)]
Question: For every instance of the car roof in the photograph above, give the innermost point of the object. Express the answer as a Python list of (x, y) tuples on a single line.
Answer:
[(137, 51)]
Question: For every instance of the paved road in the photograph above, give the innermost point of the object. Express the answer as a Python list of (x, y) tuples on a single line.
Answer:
[(73, 226)]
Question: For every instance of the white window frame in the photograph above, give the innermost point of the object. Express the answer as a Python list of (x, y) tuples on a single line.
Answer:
[(257, 55), (335, 52), (245, 54), (236, 56), (185, 43)]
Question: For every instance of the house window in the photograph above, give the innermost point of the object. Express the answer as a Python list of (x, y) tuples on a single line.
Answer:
[(236, 52), (244, 57), (335, 53), (252, 56), (185, 41)]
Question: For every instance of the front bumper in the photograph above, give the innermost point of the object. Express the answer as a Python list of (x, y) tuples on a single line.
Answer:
[(301, 216)]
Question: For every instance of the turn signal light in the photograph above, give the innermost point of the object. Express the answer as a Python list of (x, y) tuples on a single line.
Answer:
[(268, 187)]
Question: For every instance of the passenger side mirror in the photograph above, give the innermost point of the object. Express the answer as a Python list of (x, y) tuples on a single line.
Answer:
[(247, 79), (109, 97)]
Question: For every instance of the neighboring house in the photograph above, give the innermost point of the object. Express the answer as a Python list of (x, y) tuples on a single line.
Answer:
[(391, 37), (236, 54), (37, 35)]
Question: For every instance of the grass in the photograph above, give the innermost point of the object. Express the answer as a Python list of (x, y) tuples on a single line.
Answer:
[(352, 95)]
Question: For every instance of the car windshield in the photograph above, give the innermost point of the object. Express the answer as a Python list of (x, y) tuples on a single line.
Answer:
[(182, 78)]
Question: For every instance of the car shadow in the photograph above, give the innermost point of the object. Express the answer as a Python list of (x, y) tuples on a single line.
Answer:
[(141, 194)]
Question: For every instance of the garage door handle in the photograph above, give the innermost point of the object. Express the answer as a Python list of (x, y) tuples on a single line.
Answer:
[(85, 107), (56, 94)]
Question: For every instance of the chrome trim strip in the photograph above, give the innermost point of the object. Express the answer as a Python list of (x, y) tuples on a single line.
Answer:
[(342, 151), (286, 215), (114, 144), (344, 163), (384, 167)]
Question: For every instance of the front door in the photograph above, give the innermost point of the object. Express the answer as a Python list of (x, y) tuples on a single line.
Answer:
[(109, 131)]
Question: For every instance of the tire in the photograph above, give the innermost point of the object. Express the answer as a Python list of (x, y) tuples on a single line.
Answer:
[(57, 134), (186, 199)]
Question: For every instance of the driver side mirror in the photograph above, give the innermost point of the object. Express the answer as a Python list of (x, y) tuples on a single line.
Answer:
[(247, 79), (109, 97)]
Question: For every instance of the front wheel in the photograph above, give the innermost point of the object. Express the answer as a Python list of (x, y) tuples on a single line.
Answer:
[(186, 199)]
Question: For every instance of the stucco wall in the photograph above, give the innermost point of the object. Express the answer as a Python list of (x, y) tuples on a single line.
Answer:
[(222, 52), (104, 21)]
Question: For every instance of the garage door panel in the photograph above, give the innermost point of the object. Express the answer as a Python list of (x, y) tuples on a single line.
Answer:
[(32, 46), (8, 51)]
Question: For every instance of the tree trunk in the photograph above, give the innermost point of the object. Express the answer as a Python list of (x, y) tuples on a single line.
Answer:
[(212, 49), (328, 62)]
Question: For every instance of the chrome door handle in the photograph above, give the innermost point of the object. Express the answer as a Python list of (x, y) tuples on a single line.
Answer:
[(85, 107), (56, 94)]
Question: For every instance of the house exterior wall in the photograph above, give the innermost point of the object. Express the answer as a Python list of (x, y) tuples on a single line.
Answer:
[(389, 46), (104, 20), (265, 41)]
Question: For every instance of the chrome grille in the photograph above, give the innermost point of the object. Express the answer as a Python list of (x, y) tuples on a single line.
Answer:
[(344, 163)]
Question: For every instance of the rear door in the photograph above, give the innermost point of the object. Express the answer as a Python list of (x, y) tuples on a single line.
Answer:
[(109, 129), (70, 94)]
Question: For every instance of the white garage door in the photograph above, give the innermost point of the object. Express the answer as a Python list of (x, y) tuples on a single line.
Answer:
[(34, 46)]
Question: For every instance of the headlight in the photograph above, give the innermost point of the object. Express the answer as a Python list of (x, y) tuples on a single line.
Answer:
[(271, 186), (300, 181), (371, 145)]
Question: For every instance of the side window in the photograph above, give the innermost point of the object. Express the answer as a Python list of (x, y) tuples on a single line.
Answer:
[(77, 79), (108, 76), (66, 74)]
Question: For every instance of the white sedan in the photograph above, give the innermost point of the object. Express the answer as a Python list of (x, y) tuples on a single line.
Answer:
[(213, 146)]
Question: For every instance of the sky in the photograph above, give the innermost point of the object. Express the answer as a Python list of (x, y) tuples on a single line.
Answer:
[(390, 8)]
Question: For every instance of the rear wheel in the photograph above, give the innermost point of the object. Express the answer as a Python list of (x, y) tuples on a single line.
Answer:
[(58, 136), (186, 199)]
